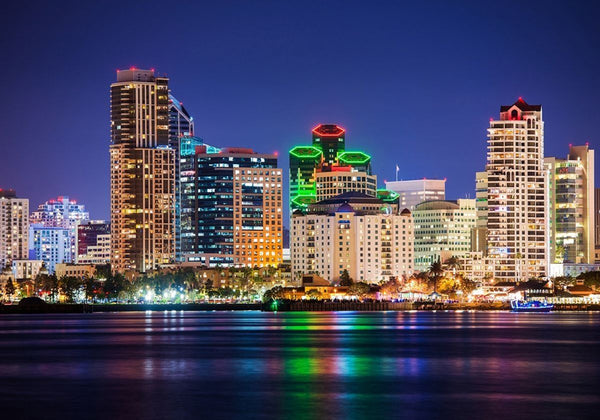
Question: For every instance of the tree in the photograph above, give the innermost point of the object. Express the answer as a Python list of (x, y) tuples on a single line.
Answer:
[(345, 279), (360, 290), (273, 294), (314, 294), (113, 285), (435, 273), (453, 263), (9, 288), (50, 286), (90, 289), (68, 286), (391, 288)]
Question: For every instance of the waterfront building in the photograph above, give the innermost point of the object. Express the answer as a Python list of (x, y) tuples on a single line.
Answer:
[(479, 233), (81, 271), (231, 210), (326, 169), (517, 215), (597, 224), (571, 197), (413, 192), (14, 228), (93, 243), (355, 232), (27, 269), (52, 245), (142, 172), (442, 229)]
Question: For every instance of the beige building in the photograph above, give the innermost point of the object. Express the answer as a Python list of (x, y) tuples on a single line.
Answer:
[(330, 184), (571, 197), (142, 173), (517, 221), (14, 228), (75, 270), (442, 229), (353, 232)]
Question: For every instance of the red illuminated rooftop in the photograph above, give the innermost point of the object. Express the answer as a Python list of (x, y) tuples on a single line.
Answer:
[(328, 130)]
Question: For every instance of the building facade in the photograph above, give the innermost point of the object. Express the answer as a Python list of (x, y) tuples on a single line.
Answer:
[(517, 222), (231, 208), (142, 173), (93, 243), (332, 183), (372, 240), (14, 228), (52, 245), (26, 269), (413, 192), (443, 230), (571, 198)]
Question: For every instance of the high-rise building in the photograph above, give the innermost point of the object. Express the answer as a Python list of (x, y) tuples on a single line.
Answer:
[(52, 245), (181, 123), (443, 230), (326, 169), (14, 228), (62, 212), (142, 172), (479, 233), (413, 192), (370, 239), (597, 223), (331, 140), (231, 210), (93, 243), (517, 222), (571, 197)]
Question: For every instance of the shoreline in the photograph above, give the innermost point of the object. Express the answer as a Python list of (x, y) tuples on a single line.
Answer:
[(289, 306)]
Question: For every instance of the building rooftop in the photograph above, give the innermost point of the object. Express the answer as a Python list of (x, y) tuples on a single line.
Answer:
[(522, 105)]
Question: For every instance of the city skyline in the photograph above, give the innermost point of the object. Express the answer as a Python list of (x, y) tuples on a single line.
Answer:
[(384, 101)]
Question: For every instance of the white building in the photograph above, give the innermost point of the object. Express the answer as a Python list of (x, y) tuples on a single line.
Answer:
[(61, 212), (571, 184), (413, 192), (93, 243), (52, 245), (14, 228), (517, 222), (442, 230), (27, 269), (353, 232)]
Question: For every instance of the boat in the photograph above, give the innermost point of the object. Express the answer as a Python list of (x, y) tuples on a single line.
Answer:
[(530, 306)]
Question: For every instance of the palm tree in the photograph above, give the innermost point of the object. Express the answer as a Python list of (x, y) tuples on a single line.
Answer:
[(453, 263), (434, 273)]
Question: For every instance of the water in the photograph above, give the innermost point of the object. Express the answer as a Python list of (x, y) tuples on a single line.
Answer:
[(300, 365)]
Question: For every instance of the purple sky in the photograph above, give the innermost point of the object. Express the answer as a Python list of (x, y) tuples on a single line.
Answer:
[(413, 84)]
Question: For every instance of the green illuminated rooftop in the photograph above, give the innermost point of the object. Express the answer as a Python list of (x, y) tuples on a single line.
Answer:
[(306, 152), (354, 158)]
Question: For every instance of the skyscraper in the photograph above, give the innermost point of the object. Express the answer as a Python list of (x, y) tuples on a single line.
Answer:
[(142, 172), (571, 196), (326, 169), (231, 208), (14, 228), (517, 222), (52, 245)]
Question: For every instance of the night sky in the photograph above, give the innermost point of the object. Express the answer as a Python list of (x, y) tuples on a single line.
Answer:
[(414, 84)]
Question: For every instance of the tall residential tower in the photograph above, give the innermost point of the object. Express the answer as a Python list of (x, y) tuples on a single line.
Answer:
[(142, 172), (517, 210)]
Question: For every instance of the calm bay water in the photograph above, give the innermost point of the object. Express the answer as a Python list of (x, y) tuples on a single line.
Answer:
[(300, 365)]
